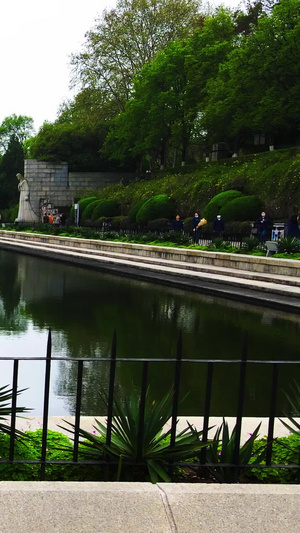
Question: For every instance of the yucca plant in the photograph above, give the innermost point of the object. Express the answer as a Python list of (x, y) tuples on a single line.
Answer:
[(6, 394), (156, 451), (294, 408), (288, 245), (221, 451)]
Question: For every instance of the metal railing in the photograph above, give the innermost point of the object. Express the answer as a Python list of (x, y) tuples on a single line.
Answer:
[(208, 365)]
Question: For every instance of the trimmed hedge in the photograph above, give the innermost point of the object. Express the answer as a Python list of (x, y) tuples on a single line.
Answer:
[(159, 206), (105, 208), (243, 208), (87, 212), (159, 224), (83, 203), (214, 207), (135, 209)]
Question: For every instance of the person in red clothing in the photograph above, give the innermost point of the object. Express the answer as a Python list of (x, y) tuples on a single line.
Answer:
[(50, 217)]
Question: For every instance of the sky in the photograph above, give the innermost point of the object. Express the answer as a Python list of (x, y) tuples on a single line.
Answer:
[(37, 39)]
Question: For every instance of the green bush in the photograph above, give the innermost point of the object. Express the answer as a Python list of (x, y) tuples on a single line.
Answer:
[(18, 471), (214, 207), (285, 451), (250, 243), (159, 206), (159, 224), (120, 222), (87, 212), (135, 209), (235, 227), (83, 203), (243, 208), (105, 208), (10, 214)]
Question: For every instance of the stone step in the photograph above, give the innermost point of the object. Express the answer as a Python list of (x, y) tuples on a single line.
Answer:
[(218, 277), (182, 265)]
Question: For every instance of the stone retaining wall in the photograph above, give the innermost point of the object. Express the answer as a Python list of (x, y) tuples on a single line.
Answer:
[(269, 265), (51, 183)]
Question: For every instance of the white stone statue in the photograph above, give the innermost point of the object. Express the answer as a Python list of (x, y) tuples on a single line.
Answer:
[(26, 213)]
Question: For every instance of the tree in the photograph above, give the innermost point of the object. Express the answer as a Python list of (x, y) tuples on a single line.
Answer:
[(19, 126), (125, 39), (12, 162), (169, 94), (68, 141), (258, 88)]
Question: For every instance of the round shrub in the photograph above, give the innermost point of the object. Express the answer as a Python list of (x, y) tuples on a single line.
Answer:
[(159, 206), (87, 212), (83, 202), (214, 207), (135, 209), (243, 208), (105, 208)]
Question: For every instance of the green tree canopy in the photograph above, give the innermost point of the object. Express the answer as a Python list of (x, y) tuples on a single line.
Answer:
[(19, 126), (126, 38), (258, 89)]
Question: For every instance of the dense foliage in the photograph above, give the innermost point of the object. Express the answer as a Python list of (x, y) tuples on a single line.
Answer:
[(215, 205), (180, 80)]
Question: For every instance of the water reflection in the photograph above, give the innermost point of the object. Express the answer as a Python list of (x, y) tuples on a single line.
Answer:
[(84, 307)]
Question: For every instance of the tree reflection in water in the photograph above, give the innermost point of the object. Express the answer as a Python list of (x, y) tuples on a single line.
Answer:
[(84, 307)]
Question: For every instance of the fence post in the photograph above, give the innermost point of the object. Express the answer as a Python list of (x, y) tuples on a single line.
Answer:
[(111, 387), (46, 406), (274, 386), (77, 409), (13, 410), (241, 397), (209, 380), (141, 428)]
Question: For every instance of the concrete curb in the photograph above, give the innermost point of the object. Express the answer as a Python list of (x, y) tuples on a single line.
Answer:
[(47, 507)]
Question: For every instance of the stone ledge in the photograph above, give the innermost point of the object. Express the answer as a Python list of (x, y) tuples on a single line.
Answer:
[(50, 507)]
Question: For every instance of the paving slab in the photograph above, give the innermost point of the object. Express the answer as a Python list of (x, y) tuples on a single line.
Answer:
[(214, 508), (45, 507)]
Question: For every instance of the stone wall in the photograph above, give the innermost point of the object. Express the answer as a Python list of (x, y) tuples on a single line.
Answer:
[(52, 184)]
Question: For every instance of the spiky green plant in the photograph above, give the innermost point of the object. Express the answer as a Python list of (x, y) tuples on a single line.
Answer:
[(221, 451), (293, 399), (6, 394), (288, 245), (156, 450)]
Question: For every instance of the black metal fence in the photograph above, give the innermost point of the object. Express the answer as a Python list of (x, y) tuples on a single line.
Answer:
[(208, 366)]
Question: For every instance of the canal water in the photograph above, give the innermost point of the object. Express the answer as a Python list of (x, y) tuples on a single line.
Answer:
[(84, 307)]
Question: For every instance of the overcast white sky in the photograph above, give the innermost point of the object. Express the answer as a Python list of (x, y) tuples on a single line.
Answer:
[(36, 40)]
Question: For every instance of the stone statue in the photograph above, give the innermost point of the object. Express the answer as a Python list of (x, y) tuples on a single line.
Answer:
[(26, 213)]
